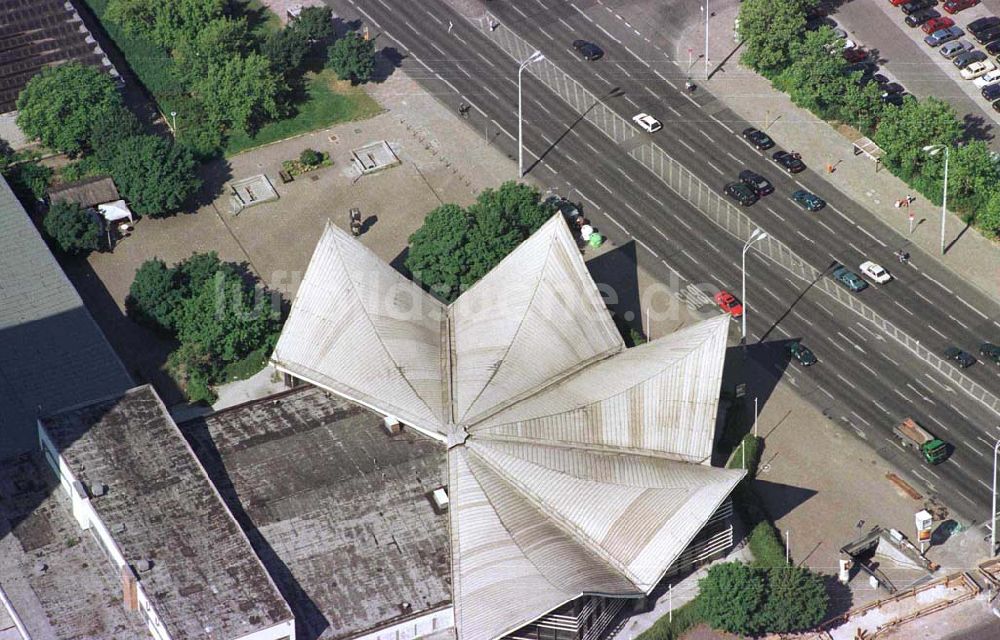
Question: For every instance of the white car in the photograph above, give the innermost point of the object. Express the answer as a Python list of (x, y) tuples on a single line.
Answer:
[(977, 69), (988, 78), (875, 272), (648, 123)]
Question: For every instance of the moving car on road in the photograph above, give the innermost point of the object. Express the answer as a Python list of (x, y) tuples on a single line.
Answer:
[(588, 50), (977, 69), (876, 272), (801, 353), (935, 24), (789, 161), (741, 193), (808, 201), (647, 123), (757, 182), (760, 140), (954, 6), (849, 280), (990, 351), (961, 358), (941, 36), (729, 303)]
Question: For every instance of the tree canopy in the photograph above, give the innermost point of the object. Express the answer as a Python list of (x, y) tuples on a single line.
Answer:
[(241, 92), (73, 229), (155, 175), (454, 248), (59, 106), (352, 57), (166, 23), (796, 600), (912, 127), (730, 597), (770, 29)]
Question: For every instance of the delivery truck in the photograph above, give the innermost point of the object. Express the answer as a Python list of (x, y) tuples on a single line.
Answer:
[(912, 436)]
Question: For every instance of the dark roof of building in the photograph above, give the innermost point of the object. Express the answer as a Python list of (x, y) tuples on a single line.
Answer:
[(341, 507), (86, 193), (160, 506), (35, 34), (52, 353)]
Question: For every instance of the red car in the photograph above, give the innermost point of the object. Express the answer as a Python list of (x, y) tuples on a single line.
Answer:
[(934, 24), (855, 54), (954, 6), (896, 3), (729, 303)]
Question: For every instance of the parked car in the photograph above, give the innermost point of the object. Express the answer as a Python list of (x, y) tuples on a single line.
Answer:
[(790, 162), (801, 353), (934, 24), (914, 6), (875, 271), (891, 88), (951, 49), (647, 123), (963, 60), (989, 35), (729, 303), (993, 48), (996, 106), (977, 69), (808, 201), (941, 36), (961, 358), (760, 140), (987, 78), (757, 182), (991, 91), (855, 54), (741, 193), (954, 6), (897, 3), (990, 352), (867, 69), (849, 280), (588, 50), (895, 99), (982, 24), (920, 17)]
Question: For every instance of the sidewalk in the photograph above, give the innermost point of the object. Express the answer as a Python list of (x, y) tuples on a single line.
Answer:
[(973, 257)]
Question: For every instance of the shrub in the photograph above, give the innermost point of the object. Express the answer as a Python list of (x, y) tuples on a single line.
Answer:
[(352, 58), (766, 546), (29, 181), (155, 175), (730, 596), (154, 299), (74, 230), (311, 157), (796, 600)]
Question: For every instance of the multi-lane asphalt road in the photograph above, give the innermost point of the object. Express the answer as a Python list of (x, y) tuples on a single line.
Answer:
[(864, 381)]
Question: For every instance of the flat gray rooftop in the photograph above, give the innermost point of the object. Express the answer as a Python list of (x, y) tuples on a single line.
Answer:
[(52, 354), (78, 595), (341, 507), (204, 575)]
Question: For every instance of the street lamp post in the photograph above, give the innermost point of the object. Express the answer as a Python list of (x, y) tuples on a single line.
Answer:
[(993, 513), (706, 39), (934, 149), (535, 57), (173, 120), (754, 237)]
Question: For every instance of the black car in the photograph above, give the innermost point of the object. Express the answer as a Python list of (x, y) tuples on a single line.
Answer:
[(991, 91), (801, 353), (920, 17), (963, 60), (866, 68), (996, 106), (917, 5), (757, 182), (989, 35), (760, 140), (990, 351), (961, 358), (740, 193), (892, 87), (588, 50), (790, 162), (982, 24), (895, 99), (993, 48)]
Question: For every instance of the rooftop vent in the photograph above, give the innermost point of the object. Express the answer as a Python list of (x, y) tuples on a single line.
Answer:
[(143, 566), (406, 607), (98, 489), (118, 527), (440, 498), (392, 425)]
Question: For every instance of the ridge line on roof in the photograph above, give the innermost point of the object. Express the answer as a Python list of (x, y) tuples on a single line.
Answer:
[(603, 449)]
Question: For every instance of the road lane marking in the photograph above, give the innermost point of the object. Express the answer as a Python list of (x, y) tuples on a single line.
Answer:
[(931, 327), (523, 14), (686, 146), (962, 300), (722, 124), (486, 60), (865, 231), (839, 213), (605, 187), (627, 176), (608, 34), (939, 423), (624, 70), (822, 224), (652, 93), (710, 139), (956, 320), (937, 283), (958, 411), (805, 236), (720, 171), (776, 214), (937, 382), (675, 111), (633, 210), (845, 381), (432, 16), (581, 12), (664, 79), (902, 307)]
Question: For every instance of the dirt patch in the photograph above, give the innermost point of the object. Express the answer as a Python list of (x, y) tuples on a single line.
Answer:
[(705, 632)]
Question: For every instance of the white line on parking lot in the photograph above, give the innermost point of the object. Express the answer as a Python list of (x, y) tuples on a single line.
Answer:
[(861, 419), (851, 245), (652, 93), (623, 70), (940, 384), (500, 127), (654, 199), (682, 221), (828, 394), (840, 213), (632, 102), (917, 391), (627, 176), (956, 320), (439, 50), (846, 381), (542, 107), (565, 24), (660, 231), (902, 307), (581, 12), (637, 57), (604, 186), (857, 333), (922, 479), (805, 236), (548, 35), (801, 186), (960, 299), (582, 195), (432, 16), (901, 395), (939, 423)]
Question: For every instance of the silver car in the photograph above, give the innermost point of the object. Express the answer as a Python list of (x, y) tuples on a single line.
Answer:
[(944, 35), (951, 49)]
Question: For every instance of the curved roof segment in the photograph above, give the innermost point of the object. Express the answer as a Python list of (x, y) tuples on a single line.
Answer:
[(576, 466)]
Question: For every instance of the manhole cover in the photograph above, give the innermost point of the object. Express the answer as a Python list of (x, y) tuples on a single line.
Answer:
[(334, 139), (314, 178)]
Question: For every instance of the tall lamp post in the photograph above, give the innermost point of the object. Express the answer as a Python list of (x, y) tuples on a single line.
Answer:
[(754, 237), (535, 57), (705, 9), (934, 149), (993, 513)]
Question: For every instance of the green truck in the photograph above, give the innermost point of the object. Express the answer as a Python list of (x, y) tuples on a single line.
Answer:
[(912, 436)]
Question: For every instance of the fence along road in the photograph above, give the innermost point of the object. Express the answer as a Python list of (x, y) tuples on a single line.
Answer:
[(709, 202)]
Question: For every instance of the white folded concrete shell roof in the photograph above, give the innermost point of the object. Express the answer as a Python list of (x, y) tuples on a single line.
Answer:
[(576, 466)]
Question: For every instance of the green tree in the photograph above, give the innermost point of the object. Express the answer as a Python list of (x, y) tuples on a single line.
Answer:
[(796, 600), (862, 107), (111, 126), (988, 218), (436, 255), (912, 127), (59, 105), (29, 181), (310, 157), (242, 92), (286, 49), (74, 230), (973, 175), (352, 58), (154, 299), (155, 175), (770, 29), (316, 23), (217, 41), (730, 597), (167, 23), (815, 79)]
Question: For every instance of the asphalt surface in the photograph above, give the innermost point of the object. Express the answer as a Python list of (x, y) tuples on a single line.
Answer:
[(863, 381)]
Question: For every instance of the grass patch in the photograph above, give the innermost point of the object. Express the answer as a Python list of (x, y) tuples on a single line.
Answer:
[(248, 366), (331, 101), (262, 21), (684, 618)]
